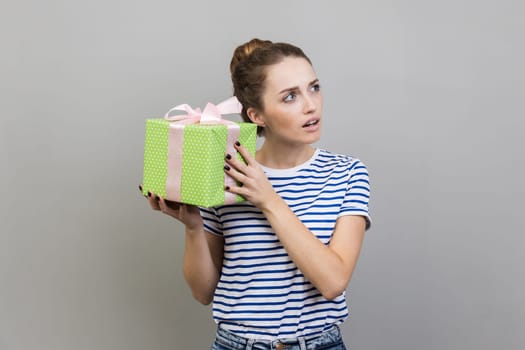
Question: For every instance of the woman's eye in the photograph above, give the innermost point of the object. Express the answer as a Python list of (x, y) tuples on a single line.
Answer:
[(316, 87), (290, 97)]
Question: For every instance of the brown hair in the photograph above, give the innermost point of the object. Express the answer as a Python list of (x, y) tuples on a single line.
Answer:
[(248, 70)]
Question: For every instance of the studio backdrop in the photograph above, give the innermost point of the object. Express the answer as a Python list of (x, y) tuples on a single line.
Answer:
[(429, 95)]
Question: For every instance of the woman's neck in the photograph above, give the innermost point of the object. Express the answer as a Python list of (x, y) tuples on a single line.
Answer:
[(283, 157)]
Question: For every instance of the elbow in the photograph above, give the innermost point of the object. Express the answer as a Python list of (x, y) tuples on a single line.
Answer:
[(332, 293), (334, 290), (204, 299), (202, 294), (201, 290)]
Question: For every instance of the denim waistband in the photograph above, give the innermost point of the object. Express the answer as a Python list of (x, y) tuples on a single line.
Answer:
[(229, 340)]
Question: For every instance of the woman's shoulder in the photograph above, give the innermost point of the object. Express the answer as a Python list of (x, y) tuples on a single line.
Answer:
[(329, 157)]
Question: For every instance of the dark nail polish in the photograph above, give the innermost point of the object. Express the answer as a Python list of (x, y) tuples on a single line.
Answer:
[(228, 156), (226, 167), (149, 194), (140, 188), (237, 143), (227, 188)]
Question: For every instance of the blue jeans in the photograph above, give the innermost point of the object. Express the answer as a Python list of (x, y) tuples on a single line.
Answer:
[(329, 340)]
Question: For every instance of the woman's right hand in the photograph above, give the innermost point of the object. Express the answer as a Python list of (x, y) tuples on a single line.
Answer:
[(188, 214)]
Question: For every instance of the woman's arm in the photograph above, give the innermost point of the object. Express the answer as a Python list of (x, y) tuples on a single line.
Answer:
[(202, 263), (329, 268), (203, 251)]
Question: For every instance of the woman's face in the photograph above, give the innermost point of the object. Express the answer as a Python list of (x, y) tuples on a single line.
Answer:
[(292, 102)]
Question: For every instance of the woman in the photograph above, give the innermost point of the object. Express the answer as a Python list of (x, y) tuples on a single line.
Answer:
[(276, 266)]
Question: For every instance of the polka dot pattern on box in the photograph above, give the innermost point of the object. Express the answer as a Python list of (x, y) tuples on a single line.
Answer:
[(155, 157), (203, 162), (202, 180)]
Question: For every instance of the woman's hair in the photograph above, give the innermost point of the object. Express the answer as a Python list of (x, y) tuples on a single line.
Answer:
[(248, 70)]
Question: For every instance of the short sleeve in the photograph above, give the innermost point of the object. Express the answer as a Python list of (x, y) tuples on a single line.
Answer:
[(357, 193), (211, 220)]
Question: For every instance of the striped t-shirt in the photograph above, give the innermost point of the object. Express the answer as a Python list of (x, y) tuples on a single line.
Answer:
[(261, 292)]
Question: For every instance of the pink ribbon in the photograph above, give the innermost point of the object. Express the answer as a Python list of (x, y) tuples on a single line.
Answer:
[(212, 114)]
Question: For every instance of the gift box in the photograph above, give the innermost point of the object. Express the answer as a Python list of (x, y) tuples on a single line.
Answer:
[(184, 154)]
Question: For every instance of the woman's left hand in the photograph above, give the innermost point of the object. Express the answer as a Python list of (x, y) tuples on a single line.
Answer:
[(254, 185)]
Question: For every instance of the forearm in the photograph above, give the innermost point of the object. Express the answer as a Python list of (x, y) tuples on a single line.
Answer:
[(200, 270), (328, 268), (324, 267)]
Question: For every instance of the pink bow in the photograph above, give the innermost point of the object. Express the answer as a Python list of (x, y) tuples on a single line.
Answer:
[(212, 114)]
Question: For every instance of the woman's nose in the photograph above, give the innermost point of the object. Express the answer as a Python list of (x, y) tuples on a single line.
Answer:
[(309, 105)]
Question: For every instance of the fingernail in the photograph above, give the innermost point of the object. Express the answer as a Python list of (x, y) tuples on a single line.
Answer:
[(227, 188), (226, 167), (237, 143), (228, 156), (140, 188), (149, 194)]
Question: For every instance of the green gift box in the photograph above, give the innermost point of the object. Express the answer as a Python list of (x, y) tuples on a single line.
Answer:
[(184, 158)]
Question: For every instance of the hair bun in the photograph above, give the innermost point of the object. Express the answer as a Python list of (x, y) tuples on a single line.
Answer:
[(245, 50)]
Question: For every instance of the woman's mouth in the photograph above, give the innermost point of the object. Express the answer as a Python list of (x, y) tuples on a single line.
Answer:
[(311, 123)]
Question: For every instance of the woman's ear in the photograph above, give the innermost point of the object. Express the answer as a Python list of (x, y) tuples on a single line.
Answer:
[(255, 116)]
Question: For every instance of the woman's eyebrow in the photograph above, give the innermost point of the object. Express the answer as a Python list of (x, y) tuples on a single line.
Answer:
[(316, 80)]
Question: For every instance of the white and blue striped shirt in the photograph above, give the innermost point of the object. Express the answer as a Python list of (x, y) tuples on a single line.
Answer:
[(261, 292)]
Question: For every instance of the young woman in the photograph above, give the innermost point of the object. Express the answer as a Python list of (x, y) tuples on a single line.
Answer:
[(276, 266)]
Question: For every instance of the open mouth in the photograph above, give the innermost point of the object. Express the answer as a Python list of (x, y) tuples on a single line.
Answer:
[(311, 123)]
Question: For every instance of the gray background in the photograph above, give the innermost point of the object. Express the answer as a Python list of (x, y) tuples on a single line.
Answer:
[(429, 94)]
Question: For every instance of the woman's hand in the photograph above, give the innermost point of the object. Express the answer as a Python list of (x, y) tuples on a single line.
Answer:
[(255, 186), (189, 215)]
